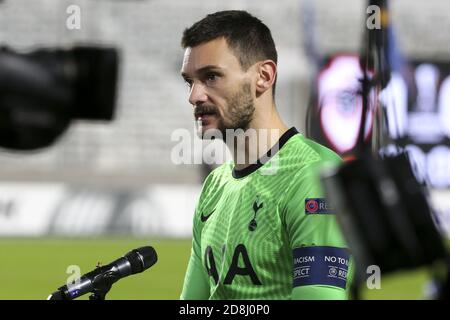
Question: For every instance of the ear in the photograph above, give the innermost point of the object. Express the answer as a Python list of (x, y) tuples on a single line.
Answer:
[(266, 72)]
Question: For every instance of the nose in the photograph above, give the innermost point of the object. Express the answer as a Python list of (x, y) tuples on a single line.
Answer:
[(197, 94)]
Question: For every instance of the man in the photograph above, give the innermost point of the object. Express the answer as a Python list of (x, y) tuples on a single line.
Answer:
[(258, 233)]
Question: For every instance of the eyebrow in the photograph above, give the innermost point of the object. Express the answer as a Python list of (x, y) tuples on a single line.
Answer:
[(203, 70)]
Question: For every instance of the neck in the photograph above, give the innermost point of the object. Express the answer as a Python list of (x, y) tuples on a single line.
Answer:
[(263, 133)]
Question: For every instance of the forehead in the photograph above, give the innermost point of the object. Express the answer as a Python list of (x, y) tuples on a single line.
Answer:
[(213, 53)]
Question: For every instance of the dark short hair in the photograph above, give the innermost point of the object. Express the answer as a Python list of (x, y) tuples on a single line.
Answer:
[(248, 38)]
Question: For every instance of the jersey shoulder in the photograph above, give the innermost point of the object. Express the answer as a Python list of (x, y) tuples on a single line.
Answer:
[(305, 151), (306, 159)]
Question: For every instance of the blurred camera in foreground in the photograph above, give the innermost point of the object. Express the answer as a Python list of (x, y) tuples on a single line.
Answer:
[(43, 90), (387, 219)]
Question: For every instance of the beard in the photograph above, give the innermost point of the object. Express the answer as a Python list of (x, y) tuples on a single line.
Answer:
[(240, 110), (237, 114)]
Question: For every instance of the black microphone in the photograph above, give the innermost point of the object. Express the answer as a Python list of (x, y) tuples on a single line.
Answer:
[(100, 280)]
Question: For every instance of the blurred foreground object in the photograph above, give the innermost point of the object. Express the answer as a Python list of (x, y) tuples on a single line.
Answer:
[(386, 217), (382, 208), (42, 91)]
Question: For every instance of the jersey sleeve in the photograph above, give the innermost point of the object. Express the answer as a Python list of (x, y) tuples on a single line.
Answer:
[(196, 282), (321, 260)]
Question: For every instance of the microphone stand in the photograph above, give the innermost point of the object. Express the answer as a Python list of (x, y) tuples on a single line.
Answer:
[(102, 283)]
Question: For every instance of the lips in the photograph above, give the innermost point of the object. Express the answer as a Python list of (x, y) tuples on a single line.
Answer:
[(205, 120), (205, 116), (199, 113)]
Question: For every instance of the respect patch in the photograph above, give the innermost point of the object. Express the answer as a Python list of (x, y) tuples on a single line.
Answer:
[(317, 206), (320, 266)]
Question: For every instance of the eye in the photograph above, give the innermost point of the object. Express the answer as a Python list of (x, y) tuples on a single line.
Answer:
[(211, 78), (188, 82)]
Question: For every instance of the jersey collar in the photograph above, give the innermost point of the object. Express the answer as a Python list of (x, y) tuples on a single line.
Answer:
[(255, 166)]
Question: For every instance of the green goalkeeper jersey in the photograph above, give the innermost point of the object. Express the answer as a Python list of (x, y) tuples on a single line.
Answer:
[(267, 232)]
